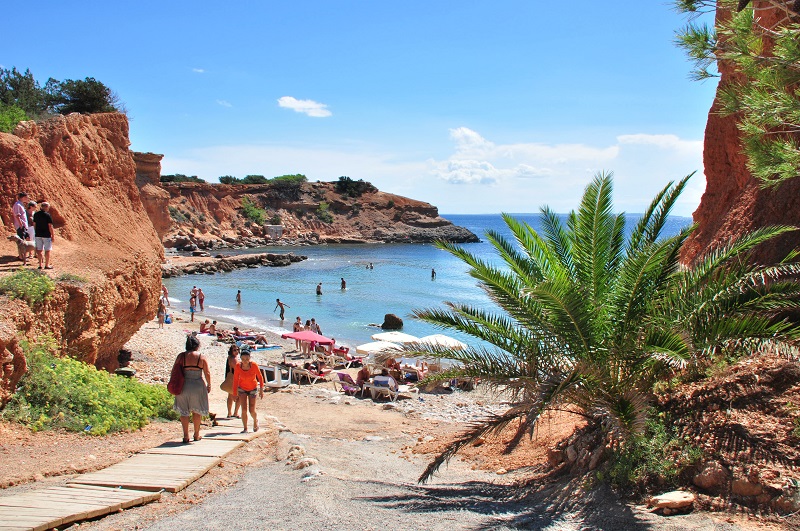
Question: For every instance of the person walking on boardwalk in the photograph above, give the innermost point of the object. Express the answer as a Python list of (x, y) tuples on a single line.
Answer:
[(193, 399), (230, 367), (319, 288), (247, 381), (282, 306)]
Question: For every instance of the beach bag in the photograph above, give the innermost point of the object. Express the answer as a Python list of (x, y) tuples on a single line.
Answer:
[(175, 385), (227, 384), (168, 319)]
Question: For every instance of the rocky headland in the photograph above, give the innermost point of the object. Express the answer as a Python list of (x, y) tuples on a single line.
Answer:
[(192, 215)]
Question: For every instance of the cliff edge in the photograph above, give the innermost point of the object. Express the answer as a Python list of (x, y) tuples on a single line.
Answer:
[(107, 255), (733, 202)]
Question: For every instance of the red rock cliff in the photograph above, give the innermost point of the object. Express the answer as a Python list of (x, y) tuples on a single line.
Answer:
[(82, 165), (733, 202), (211, 216)]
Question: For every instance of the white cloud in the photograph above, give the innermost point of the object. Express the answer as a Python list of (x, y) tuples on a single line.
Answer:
[(507, 177), (672, 142), (224, 103), (198, 71), (308, 107)]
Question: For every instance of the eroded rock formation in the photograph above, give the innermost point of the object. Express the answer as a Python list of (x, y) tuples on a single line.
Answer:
[(210, 216), (107, 255), (733, 202)]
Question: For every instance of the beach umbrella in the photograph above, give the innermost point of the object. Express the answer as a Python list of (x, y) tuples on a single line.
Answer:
[(442, 341), (395, 337), (308, 335), (377, 347)]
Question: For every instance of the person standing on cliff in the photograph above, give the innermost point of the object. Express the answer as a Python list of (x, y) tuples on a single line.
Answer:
[(201, 298), (238, 296), (20, 219), (282, 306), (43, 230), (319, 288)]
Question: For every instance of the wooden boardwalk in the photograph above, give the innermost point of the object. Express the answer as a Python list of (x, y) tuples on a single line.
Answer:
[(139, 479), (58, 506)]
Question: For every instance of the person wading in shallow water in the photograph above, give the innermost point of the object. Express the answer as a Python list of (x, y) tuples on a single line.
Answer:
[(238, 296), (282, 306), (319, 288), (344, 284)]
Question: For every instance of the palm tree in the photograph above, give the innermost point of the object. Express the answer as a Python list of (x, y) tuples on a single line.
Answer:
[(590, 320)]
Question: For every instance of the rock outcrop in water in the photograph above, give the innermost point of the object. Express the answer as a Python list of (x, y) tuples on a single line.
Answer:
[(733, 202), (107, 255)]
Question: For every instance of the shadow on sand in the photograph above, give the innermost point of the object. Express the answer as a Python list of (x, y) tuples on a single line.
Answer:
[(534, 505)]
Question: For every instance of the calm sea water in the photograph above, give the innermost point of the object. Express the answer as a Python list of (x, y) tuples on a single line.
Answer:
[(399, 283)]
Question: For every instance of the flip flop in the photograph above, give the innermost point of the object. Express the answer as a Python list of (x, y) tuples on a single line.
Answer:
[(198, 437), (48, 267), (186, 440), (255, 427), (245, 431)]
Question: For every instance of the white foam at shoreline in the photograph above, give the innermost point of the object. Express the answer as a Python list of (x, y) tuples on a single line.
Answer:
[(223, 308)]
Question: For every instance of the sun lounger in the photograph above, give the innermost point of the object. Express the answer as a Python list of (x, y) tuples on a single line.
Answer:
[(388, 387), (277, 380), (346, 384), (312, 377)]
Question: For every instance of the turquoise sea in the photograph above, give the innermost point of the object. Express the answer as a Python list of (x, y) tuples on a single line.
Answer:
[(399, 282)]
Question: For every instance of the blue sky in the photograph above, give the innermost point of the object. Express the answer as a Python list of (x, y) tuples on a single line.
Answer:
[(473, 106)]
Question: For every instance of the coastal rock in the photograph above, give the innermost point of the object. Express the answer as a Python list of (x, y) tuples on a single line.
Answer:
[(677, 499), (733, 202), (213, 214), (82, 165), (713, 478), (392, 322), (209, 265)]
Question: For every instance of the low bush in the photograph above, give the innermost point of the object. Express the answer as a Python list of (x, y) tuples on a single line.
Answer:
[(177, 215), (66, 393), (275, 220), (180, 178), (10, 116), (27, 284), (324, 213), (348, 187), (252, 212), (69, 277), (657, 457)]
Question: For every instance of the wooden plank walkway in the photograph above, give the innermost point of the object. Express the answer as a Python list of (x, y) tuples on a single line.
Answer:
[(139, 479), (58, 506)]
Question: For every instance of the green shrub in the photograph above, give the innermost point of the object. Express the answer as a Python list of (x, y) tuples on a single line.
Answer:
[(180, 178), (348, 187), (324, 213), (295, 178), (228, 179), (390, 204), (69, 277), (177, 215), (657, 457), (27, 284), (275, 220), (252, 212), (10, 116), (254, 179), (66, 393)]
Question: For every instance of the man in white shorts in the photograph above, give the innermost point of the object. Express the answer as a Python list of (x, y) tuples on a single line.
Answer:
[(43, 232)]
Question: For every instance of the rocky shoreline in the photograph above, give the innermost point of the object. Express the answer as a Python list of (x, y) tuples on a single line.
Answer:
[(206, 265)]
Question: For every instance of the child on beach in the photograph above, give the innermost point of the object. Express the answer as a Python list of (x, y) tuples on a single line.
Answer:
[(192, 307)]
